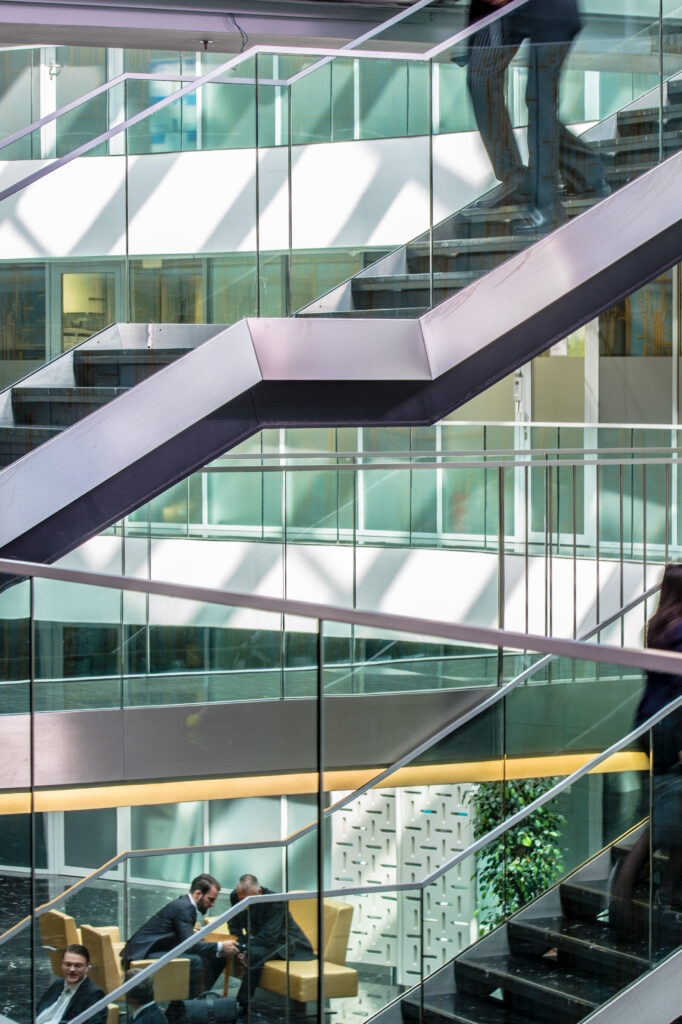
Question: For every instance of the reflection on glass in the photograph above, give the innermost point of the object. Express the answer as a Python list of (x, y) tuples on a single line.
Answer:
[(88, 305)]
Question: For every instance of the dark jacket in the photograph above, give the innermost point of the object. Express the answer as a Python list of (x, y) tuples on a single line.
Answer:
[(164, 930), (150, 1015), (86, 996), (661, 688), (269, 927)]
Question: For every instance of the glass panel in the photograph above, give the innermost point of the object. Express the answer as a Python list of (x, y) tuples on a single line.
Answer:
[(78, 70), (17, 76), (555, 79), (88, 305)]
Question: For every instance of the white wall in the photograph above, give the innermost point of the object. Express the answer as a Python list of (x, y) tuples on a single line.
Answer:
[(77, 210), (453, 586), (343, 194)]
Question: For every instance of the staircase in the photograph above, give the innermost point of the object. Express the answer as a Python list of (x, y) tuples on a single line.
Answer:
[(477, 239), (84, 379), (557, 960), (344, 360)]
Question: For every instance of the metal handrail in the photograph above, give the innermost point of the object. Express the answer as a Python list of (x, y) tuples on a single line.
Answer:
[(493, 463), (581, 650), (247, 54), (327, 52), (470, 851)]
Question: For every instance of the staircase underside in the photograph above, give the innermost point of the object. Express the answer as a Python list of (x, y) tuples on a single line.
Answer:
[(332, 372)]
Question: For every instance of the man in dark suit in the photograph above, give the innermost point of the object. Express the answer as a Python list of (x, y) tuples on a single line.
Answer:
[(266, 931), (552, 148), (66, 999), (174, 923), (141, 1005)]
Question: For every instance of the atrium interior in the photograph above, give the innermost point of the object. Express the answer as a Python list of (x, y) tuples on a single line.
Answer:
[(335, 503)]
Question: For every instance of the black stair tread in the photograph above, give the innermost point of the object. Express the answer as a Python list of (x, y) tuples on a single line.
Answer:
[(547, 980), (452, 246), (633, 143), (462, 1008), (649, 114), (65, 393), (23, 433), (129, 355), (570, 933), (398, 312), (452, 278), (572, 206)]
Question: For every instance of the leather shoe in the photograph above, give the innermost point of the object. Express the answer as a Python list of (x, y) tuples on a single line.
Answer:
[(539, 220), (511, 191), (600, 190)]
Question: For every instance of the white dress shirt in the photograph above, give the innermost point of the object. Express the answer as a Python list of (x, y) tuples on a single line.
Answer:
[(53, 1014)]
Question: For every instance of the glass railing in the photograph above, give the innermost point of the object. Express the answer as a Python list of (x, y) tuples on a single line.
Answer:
[(602, 502), (426, 863), (386, 99)]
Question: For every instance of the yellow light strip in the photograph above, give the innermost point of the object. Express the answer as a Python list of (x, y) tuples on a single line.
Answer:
[(136, 795)]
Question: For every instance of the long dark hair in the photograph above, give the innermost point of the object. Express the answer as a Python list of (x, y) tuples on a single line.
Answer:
[(669, 608)]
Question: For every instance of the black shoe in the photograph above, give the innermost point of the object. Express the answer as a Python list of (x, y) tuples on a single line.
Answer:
[(539, 220), (510, 192), (600, 190)]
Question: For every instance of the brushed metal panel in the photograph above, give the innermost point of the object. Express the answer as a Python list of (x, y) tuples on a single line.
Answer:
[(79, 747), (338, 349), (15, 751), (124, 431), (533, 280), (251, 738)]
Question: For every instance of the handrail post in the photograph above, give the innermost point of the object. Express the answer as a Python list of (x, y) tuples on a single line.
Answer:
[(320, 821)]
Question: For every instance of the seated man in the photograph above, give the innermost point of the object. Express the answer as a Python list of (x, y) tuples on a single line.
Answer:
[(66, 999), (175, 922), (268, 931), (141, 1005)]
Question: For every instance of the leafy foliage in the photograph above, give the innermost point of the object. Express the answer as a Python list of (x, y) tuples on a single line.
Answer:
[(526, 860)]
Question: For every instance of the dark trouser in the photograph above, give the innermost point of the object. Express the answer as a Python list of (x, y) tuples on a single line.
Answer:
[(486, 74), (258, 956), (552, 148)]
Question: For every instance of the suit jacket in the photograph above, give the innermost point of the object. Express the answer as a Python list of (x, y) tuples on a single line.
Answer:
[(150, 1015), (271, 928), (86, 996), (164, 930)]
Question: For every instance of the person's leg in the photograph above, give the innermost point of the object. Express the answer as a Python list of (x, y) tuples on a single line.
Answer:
[(620, 902), (257, 955), (544, 127), (486, 73), (580, 167)]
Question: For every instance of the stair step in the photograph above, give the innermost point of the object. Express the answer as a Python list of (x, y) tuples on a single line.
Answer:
[(542, 989), (460, 1008), (631, 121), (592, 946), (454, 246), (19, 440), (397, 312), (572, 207), (121, 367), (450, 279), (58, 406)]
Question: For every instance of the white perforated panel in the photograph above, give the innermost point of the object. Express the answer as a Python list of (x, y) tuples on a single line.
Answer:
[(392, 836)]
